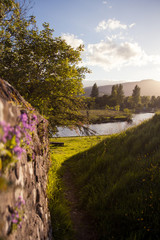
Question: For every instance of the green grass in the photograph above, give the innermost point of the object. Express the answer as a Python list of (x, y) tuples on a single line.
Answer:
[(118, 183), (60, 216)]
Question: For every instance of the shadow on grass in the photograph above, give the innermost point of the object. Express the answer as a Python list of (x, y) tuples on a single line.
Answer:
[(117, 183)]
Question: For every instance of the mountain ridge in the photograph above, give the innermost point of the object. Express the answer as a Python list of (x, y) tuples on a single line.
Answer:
[(149, 87)]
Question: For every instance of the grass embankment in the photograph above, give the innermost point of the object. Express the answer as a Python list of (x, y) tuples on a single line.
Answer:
[(104, 116), (58, 205), (118, 183)]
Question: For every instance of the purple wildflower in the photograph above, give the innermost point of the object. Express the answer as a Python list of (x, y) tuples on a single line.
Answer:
[(13, 215), (26, 126), (18, 151), (18, 214), (20, 201), (24, 117), (18, 132), (18, 204), (34, 118), (14, 220), (7, 131), (20, 225)]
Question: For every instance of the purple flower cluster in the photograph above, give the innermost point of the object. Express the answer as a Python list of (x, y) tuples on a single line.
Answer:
[(18, 151), (12, 136), (8, 134), (28, 126), (20, 202), (28, 123), (17, 214)]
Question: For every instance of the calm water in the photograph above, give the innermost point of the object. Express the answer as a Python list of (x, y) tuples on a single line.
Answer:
[(106, 128)]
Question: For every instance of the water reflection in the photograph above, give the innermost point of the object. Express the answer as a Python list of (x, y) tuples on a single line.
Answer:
[(107, 128)]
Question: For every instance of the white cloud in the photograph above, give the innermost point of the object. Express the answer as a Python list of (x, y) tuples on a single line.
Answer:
[(132, 25), (116, 36), (112, 24), (111, 55), (106, 3), (72, 40)]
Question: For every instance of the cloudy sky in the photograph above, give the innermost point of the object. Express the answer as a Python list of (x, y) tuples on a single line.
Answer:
[(121, 37)]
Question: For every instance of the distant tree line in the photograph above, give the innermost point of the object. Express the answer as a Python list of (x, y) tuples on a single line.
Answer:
[(117, 100)]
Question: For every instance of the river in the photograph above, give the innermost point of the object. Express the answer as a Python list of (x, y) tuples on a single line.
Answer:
[(106, 128)]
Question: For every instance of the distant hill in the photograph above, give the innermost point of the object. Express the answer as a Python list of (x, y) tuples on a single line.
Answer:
[(148, 87)]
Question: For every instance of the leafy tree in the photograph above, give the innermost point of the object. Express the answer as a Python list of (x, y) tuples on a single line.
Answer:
[(117, 94), (145, 100), (120, 94), (89, 103), (153, 102), (42, 68), (114, 91), (94, 91), (117, 107), (128, 102), (113, 97), (157, 102), (102, 101), (136, 96)]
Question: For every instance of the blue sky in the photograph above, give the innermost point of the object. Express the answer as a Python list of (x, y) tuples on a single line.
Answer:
[(121, 37)]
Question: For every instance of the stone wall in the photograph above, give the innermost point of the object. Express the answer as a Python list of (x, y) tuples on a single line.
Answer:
[(27, 178)]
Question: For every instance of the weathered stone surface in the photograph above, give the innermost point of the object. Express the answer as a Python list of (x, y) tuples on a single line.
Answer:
[(28, 177)]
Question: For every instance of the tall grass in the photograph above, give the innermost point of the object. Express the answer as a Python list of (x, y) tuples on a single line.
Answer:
[(118, 183)]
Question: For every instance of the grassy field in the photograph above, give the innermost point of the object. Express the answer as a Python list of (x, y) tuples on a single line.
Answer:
[(118, 183), (117, 180), (62, 225), (99, 116)]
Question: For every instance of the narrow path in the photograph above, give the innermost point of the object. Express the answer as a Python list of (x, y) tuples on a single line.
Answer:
[(82, 225)]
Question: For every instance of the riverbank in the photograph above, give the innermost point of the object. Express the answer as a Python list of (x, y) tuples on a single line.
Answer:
[(105, 128), (97, 116)]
